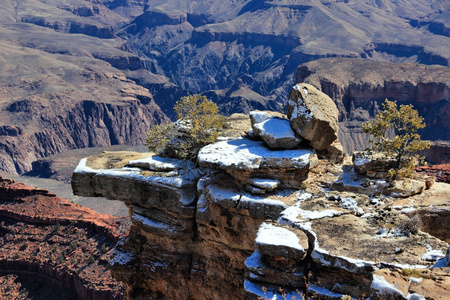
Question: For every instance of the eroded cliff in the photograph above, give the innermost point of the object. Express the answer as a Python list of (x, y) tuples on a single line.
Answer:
[(237, 225), (53, 248)]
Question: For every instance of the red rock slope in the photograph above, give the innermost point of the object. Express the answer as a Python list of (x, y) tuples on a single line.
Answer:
[(50, 247)]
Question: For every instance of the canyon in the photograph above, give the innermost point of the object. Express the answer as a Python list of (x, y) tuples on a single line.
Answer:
[(80, 74)]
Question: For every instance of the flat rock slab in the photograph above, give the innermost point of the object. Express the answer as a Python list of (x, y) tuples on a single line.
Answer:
[(174, 191), (245, 154), (277, 241), (275, 131)]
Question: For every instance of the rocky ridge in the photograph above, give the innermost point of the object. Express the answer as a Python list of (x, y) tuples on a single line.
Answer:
[(238, 225), (53, 248)]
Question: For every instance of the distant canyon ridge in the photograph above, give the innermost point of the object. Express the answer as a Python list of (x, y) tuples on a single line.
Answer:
[(94, 73)]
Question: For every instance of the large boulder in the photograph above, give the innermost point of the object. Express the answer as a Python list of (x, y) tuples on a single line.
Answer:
[(274, 130), (313, 115)]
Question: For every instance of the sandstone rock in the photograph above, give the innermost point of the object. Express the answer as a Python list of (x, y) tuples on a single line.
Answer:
[(275, 131), (374, 165), (245, 160), (258, 269), (323, 242), (276, 241), (404, 188), (313, 115)]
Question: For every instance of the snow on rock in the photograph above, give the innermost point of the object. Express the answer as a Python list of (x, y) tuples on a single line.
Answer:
[(245, 154), (152, 225), (280, 242), (318, 292), (324, 258), (267, 184), (415, 296), (157, 163), (121, 257), (275, 131), (262, 207), (272, 293), (432, 255), (258, 207), (384, 290)]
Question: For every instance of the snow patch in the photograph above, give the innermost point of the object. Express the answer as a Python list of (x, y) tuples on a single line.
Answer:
[(322, 292), (150, 223), (383, 288), (415, 296), (278, 236), (245, 154), (121, 257), (432, 255), (259, 116), (269, 184)]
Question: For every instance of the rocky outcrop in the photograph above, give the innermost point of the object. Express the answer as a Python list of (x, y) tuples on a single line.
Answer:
[(313, 116), (61, 246), (374, 165), (274, 130), (207, 233)]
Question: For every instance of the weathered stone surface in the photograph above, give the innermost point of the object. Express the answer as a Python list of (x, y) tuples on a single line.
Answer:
[(313, 115), (245, 160), (374, 165), (277, 241), (174, 192), (274, 130), (405, 188), (326, 243)]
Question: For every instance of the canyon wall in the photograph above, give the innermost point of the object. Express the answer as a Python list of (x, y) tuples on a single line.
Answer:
[(359, 87)]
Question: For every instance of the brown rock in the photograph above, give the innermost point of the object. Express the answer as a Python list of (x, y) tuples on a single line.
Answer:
[(374, 165), (313, 115)]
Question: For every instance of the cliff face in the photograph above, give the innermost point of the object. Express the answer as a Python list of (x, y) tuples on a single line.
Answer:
[(53, 247), (78, 125), (358, 88), (201, 233)]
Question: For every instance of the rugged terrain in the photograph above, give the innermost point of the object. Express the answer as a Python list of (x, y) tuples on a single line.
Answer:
[(80, 73), (51, 248), (282, 223)]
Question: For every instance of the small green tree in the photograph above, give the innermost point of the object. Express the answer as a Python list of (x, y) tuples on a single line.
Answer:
[(395, 134), (198, 124)]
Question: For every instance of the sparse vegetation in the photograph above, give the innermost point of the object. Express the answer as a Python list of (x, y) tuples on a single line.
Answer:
[(410, 225), (198, 124), (395, 134)]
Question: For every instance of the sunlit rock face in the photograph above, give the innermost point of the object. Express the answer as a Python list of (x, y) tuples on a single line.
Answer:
[(237, 222)]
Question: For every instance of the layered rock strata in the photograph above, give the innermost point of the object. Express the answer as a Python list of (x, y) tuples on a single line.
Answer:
[(200, 233), (54, 248)]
